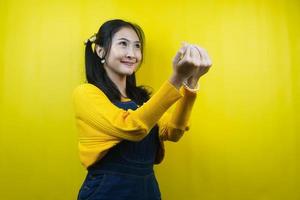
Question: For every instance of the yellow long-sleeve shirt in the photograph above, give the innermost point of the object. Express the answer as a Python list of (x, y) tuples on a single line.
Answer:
[(102, 125)]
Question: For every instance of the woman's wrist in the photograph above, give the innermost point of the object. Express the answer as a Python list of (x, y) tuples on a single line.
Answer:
[(176, 81), (191, 84)]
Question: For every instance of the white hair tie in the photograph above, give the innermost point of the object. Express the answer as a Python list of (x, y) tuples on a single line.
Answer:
[(92, 39)]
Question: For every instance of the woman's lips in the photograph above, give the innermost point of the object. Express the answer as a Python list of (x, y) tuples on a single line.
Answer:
[(128, 63)]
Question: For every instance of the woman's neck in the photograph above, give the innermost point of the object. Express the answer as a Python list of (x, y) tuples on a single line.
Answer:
[(118, 80)]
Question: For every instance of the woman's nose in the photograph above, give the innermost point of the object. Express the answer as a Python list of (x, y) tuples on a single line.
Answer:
[(130, 52)]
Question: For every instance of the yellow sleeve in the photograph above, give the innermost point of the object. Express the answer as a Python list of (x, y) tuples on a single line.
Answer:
[(172, 126), (94, 109)]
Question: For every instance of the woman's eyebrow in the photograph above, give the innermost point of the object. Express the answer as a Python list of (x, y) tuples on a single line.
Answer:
[(129, 40)]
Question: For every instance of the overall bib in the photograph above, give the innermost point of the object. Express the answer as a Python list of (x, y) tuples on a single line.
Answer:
[(126, 171)]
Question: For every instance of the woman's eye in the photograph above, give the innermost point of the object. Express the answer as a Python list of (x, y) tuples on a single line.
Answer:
[(123, 44), (138, 46)]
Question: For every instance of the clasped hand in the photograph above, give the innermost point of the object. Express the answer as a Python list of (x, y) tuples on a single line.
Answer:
[(190, 63)]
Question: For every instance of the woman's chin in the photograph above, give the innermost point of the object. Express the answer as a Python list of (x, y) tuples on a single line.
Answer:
[(128, 72)]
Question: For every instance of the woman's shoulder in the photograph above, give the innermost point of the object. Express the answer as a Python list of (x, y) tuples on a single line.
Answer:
[(87, 89)]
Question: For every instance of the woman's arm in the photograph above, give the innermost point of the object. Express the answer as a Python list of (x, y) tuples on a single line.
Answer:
[(94, 109), (172, 126)]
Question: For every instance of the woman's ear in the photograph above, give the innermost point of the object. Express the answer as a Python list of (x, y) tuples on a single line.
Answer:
[(100, 51)]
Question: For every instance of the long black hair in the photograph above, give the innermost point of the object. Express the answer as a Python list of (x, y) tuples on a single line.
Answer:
[(95, 72)]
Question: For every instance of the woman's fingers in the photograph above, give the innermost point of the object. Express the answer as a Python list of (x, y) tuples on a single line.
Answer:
[(199, 52), (195, 56), (198, 57), (205, 60), (180, 54), (187, 53), (177, 56), (191, 56), (193, 53)]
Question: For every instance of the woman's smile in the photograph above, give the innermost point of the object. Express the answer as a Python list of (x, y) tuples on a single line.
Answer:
[(128, 63)]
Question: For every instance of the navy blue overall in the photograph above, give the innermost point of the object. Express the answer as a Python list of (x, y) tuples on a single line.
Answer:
[(126, 171)]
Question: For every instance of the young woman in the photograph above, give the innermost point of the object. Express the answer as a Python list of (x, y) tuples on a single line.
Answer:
[(122, 129)]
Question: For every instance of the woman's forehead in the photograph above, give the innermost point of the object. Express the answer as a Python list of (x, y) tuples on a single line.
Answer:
[(126, 34)]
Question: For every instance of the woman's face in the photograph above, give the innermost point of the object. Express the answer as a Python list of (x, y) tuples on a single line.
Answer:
[(125, 54)]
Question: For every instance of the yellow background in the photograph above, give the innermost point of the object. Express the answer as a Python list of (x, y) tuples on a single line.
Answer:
[(244, 139)]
